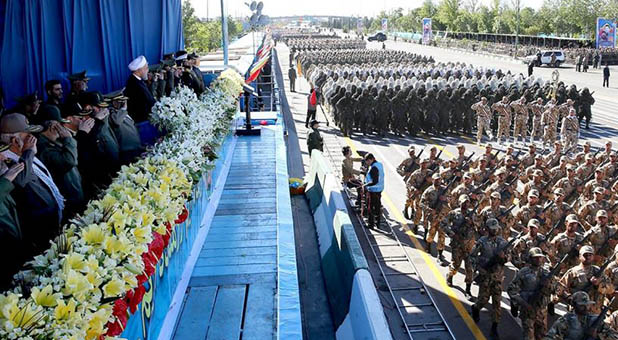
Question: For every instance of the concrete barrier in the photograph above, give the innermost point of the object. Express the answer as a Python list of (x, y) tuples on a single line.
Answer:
[(355, 305)]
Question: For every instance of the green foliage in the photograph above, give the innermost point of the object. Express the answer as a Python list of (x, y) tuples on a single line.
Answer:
[(575, 18), (205, 36)]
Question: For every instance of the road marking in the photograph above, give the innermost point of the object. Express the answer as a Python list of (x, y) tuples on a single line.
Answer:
[(474, 329)]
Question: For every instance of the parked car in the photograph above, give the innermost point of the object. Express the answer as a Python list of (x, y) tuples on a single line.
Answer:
[(377, 37), (547, 59)]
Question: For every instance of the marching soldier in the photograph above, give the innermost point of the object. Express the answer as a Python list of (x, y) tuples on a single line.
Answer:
[(408, 165), (556, 212), (531, 240), (565, 243), (435, 207), (589, 210), (483, 119), (504, 118), (529, 211), (497, 211), (537, 113), (570, 184), (570, 131), (574, 325), (549, 121), (490, 255), (459, 226), (526, 291), (520, 109), (415, 186), (602, 237)]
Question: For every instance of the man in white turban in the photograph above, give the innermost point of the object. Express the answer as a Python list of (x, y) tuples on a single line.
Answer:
[(141, 99)]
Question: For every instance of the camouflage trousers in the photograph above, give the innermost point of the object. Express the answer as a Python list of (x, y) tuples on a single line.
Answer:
[(537, 129), (504, 125), (413, 200), (432, 221), (490, 286), (520, 128), (461, 252), (569, 140), (549, 135), (534, 323), (482, 125)]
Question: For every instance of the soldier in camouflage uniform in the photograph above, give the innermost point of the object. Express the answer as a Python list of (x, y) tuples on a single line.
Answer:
[(529, 211), (549, 120), (489, 254), (520, 110), (504, 118), (483, 119), (532, 239), (537, 109), (415, 185), (459, 226), (570, 184), (587, 276), (589, 210), (566, 242), (611, 273), (405, 170), (497, 211), (435, 207), (573, 325), (555, 213), (602, 237), (598, 182), (570, 131), (523, 289)]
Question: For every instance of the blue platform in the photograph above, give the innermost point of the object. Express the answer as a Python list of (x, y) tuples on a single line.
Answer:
[(244, 282)]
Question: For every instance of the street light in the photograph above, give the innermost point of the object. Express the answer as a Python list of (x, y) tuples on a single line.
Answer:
[(224, 32)]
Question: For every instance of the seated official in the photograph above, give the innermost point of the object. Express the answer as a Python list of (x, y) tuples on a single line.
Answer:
[(13, 248), (39, 202), (99, 154), (57, 149), (122, 124)]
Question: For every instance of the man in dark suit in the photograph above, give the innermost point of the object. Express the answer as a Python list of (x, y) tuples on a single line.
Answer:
[(141, 99), (195, 63), (39, 202)]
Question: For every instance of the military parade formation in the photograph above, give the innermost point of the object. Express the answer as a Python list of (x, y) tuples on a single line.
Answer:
[(550, 214)]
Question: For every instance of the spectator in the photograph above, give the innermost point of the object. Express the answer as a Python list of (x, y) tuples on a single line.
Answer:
[(57, 149), (314, 139), (79, 84), (28, 105), (374, 184), (292, 76), (606, 75), (122, 124), (596, 60), (585, 63), (12, 245), (578, 66), (99, 155), (530, 68), (194, 61), (39, 201), (349, 174), (53, 105), (312, 102), (140, 98)]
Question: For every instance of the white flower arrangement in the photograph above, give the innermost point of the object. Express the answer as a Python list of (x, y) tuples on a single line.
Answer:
[(85, 284)]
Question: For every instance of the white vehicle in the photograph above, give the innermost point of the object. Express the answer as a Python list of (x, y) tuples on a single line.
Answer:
[(552, 58)]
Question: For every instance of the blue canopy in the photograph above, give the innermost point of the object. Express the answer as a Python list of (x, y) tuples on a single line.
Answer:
[(50, 39)]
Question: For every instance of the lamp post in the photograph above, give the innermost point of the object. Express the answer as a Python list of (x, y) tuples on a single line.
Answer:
[(224, 33)]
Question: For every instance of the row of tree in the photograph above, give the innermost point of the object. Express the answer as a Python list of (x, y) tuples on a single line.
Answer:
[(205, 35), (572, 18)]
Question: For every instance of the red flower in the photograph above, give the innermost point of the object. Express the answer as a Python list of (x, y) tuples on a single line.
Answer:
[(113, 329), (183, 216), (134, 297), (120, 311), (157, 246)]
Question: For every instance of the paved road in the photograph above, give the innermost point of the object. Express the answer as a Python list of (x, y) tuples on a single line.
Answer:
[(391, 150)]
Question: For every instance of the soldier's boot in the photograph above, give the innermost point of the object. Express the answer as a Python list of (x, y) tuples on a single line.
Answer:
[(449, 280), (494, 330), (428, 248), (405, 212), (550, 309), (468, 292), (443, 261), (514, 309), (475, 313)]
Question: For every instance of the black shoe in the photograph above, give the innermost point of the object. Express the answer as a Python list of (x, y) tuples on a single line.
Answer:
[(468, 293), (405, 213), (443, 261), (428, 248), (550, 309), (475, 314), (449, 281)]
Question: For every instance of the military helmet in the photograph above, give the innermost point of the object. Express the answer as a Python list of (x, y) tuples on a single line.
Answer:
[(493, 224), (535, 252), (581, 298)]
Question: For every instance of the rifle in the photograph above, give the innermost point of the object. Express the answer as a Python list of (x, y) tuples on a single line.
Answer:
[(599, 273), (433, 166), (411, 167), (599, 320), (538, 291), (436, 205), (466, 216)]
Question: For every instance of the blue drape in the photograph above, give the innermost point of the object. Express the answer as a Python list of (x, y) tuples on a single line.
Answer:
[(50, 39)]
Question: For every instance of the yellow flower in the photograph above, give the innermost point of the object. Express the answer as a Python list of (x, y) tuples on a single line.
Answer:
[(118, 219), (8, 304), (108, 201), (63, 311), (112, 245), (74, 261), (142, 234), (93, 234), (77, 285), (44, 297), (115, 287), (97, 323), (26, 316)]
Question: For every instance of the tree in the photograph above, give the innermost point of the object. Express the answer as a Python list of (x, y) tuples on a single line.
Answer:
[(205, 36), (448, 12)]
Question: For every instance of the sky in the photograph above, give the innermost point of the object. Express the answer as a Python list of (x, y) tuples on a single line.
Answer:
[(273, 8)]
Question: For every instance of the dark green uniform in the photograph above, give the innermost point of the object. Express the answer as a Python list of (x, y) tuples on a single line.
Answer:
[(129, 143), (12, 247), (315, 141)]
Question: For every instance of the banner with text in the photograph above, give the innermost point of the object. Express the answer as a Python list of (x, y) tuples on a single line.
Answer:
[(427, 34), (606, 33), (384, 24)]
